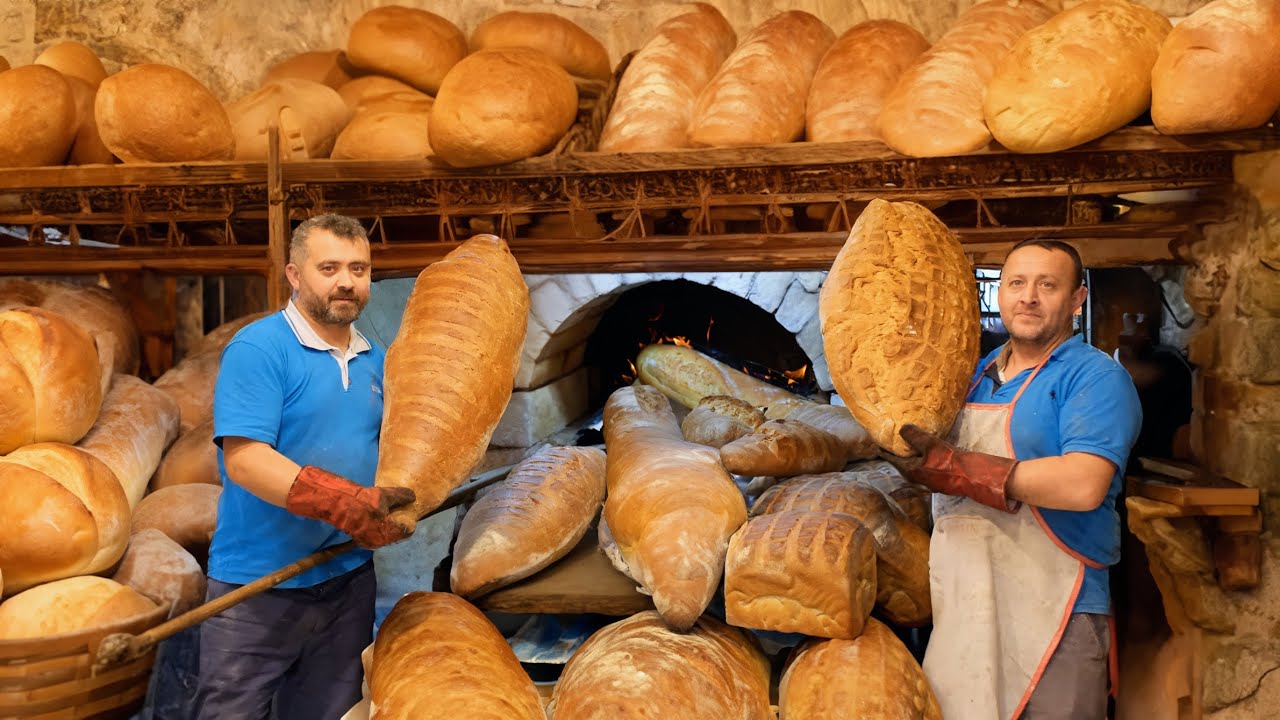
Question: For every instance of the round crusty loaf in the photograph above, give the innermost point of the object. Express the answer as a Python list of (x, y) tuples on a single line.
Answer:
[(568, 44), (186, 514), (499, 106), (1219, 70), (74, 60), (87, 148), (193, 458), (158, 113), (38, 118), (69, 605), (413, 45), (362, 89), (62, 513), (328, 67), (319, 107), (51, 376), (385, 135), (92, 308), (1080, 75)]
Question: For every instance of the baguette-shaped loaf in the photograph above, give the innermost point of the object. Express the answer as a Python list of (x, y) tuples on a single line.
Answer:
[(69, 605), (138, 421), (871, 676), (686, 376), (836, 420), (638, 669), (805, 572), (529, 521), (655, 99), (936, 108), (193, 458), (782, 448), (436, 656), (92, 308), (162, 571), (902, 548), (855, 76), (1080, 75), (1219, 69), (758, 96), (719, 420), (899, 313), (449, 372), (671, 506), (568, 44)]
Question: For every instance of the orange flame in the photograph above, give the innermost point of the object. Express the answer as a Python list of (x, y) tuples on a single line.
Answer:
[(796, 375)]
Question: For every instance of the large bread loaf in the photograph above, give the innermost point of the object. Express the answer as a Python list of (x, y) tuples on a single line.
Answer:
[(74, 59), (1219, 70), (899, 314), (356, 92), (450, 371), (499, 106), (562, 39), (192, 381), (186, 514), (805, 572), (686, 376), (654, 101), (871, 676), (38, 118), (781, 448), (69, 605), (157, 113), (855, 76), (671, 506), (936, 108), (318, 108), (412, 45), (915, 500), (638, 669), (52, 380), (138, 421), (162, 571), (758, 96), (836, 420), (329, 67), (719, 420), (437, 656), (902, 548), (391, 126), (1082, 74), (92, 308), (62, 513), (193, 458), (529, 521)]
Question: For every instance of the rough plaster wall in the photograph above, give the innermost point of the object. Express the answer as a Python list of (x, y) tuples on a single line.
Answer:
[(229, 43)]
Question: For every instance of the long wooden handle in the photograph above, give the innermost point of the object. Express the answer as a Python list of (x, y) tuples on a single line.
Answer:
[(120, 648)]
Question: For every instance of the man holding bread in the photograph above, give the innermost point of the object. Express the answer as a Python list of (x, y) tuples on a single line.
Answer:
[(1025, 519), (297, 416)]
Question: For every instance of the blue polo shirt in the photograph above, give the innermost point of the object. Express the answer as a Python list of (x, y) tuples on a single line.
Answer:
[(1081, 401), (281, 384)]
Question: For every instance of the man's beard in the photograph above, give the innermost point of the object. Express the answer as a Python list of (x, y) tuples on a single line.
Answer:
[(328, 311)]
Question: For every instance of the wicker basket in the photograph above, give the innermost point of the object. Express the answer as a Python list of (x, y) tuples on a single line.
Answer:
[(49, 678)]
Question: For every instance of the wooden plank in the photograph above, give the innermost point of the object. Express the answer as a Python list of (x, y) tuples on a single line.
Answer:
[(1156, 488), (1251, 523), (210, 260), (278, 288)]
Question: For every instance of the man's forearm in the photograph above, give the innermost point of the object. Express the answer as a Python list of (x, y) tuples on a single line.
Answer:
[(1075, 481), (259, 468)]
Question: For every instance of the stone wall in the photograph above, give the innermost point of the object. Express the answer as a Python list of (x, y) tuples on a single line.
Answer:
[(228, 44)]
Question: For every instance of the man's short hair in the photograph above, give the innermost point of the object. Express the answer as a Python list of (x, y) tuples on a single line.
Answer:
[(347, 228), (1060, 246)]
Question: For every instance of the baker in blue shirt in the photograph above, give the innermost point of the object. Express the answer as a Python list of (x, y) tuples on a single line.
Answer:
[(297, 413), (1025, 522)]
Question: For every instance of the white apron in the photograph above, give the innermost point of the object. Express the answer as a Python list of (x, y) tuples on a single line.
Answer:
[(1002, 586)]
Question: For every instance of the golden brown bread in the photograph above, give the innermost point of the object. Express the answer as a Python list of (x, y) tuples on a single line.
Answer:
[(855, 76), (191, 384), (4, 63), (915, 500), (638, 669), (758, 95), (654, 102), (1080, 75), (329, 67), (719, 420), (449, 373), (193, 458), (87, 148), (90, 307), (437, 656), (671, 506), (899, 313), (162, 571), (807, 572), (62, 513), (409, 44), (52, 380), (74, 60), (360, 90), (499, 106), (38, 118), (69, 605), (387, 134), (318, 108), (215, 341), (936, 107), (138, 421), (1219, 69), (186, 514), (157, 113), (871, 676), (836, 420), (686, 376), (781, 448), (529, 521), (609, 546), (902, 548), (568, 44)]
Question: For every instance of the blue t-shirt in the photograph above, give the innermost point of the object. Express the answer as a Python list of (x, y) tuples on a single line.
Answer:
[(1081, 401), (273, 388)]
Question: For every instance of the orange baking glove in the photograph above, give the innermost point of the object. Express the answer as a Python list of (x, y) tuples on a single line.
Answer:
[(364, 513), (947, 469)]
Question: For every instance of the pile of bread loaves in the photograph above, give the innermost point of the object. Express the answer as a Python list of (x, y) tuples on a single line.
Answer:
[(103, 516)]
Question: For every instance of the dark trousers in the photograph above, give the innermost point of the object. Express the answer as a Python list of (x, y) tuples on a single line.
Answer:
[(299, 647), (1074, 684)]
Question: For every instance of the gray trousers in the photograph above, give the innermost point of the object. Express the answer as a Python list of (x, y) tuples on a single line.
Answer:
[(1074, 684), (299, 647)]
